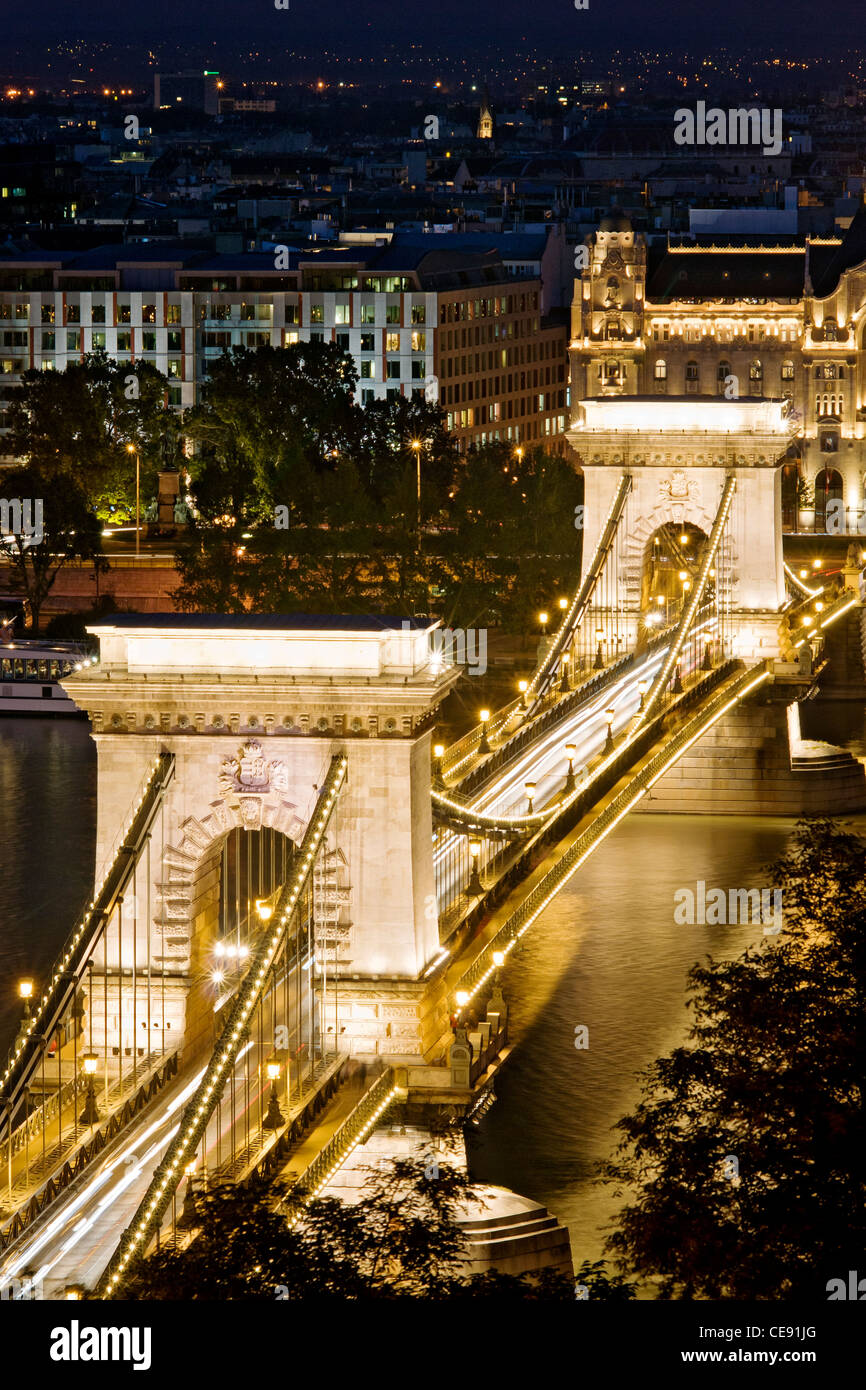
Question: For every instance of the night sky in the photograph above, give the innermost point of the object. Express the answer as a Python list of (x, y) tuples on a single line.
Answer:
[(794, 26)]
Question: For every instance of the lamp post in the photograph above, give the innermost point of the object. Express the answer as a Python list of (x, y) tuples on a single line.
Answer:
[(189, 1215), (608, 743), (438, 755), (484, 746), (131, 449), (564, 685), (707, 663), (25, 992), (523, 686), (474, 887), (562, 603), (529, 788), (416, 450), (544, 619), (264, 910), (571, 754), (642, 687), (274, 1118), (90, 1113), (598, 664), (677, 687)]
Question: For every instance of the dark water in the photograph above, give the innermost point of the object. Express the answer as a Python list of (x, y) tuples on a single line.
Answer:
[(607, 955), (47, 839)]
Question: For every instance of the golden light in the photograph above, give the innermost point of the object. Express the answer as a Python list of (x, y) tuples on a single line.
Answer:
[(563, 603), (543, 619), (217, 976), (642, 687), (416, 444), (439, 750), (25, 989), (819, 606), (682, 575), (816, 564), (660, 599), (498, 959), (190, 1169), (684, 540), (808, 620), (485, 715), (571, 750), (599, 634), (523, 686), (264, 909), (519, 451), (608, 714), (273, 1070), (474, 849), (90, 1062), (462, 997), (529, 788), (804, 574), (130, 448)]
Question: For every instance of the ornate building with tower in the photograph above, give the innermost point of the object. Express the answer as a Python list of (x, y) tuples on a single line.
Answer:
[(739, 321)]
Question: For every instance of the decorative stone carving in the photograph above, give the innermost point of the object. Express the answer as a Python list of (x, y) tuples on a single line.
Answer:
[(251, 772), (678, 487)]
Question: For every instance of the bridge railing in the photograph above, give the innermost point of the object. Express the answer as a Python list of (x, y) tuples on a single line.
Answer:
[(352, 1132), (522, 918)]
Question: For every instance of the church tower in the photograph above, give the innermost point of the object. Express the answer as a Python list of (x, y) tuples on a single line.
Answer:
[(607, 313), (485, 119)]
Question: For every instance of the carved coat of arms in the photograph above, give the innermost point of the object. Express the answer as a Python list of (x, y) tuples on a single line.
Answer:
[(251, 771), (678, 487)]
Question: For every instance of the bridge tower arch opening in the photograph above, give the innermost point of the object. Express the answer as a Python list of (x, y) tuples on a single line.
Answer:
[(672, 558)]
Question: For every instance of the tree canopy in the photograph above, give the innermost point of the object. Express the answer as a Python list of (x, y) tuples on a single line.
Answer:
[(742, 1166)]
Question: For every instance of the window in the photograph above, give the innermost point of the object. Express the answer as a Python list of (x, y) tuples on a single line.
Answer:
[(827, 371), (756, 376), (172, 313), (48, 340), (73, 340), (392, 313), (419, 342), (787, 371), (660, 374), (317, 313), (97, 313), (367, 396), (392, 342), (693, 379), (723, 371), (291, 313), (47, 313), (175, 340), (417, 369), (174, 366), (368, 313), (124, 313), (419, 313), (368, 342), (73, 313), (341, 313), (148, 313), (342, 341), (148, 342), (393, 369), (368, 370), (831, 332), (98, 339), (290, 336)]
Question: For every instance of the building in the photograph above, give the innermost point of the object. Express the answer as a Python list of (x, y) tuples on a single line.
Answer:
[(741, 318), (452, 325), (193, 90)]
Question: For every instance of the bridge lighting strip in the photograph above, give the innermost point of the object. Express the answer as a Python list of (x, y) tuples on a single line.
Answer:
[(797, 581), (85, 922), (484, 820), (741, 695), (194, 1122), (694, 602), (829, 620), (548, 661), (335, 1167)]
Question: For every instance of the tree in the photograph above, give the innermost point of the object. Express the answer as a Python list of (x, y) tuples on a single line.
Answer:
[(401, 1240), (743, 1163), (69, 531), (80, 421)]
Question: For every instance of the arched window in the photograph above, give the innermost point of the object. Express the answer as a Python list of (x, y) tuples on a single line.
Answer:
[(828, 488), (830, 332), (723, 371), (613, 330), (613, 370), (660, 373), (756, 376), (693, 379), (787, 371)]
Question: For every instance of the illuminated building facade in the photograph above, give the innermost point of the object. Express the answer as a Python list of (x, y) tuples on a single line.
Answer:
[(739, 321)]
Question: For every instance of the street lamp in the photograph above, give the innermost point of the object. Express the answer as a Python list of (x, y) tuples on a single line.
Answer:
[(563, 603), (416, 449), (25, 992), (189, 1215), (707, 663), (543, 618), (529, 788), (131, 449), (484, 746), (264, 910), (523, 686), (571, 754), (519, 452), (438, 755), (274, 1118), (608, 743), (642, 687), (90, 1113), (474, 887), (677, 687), (598, 664), (564, 685)]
